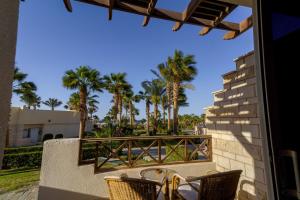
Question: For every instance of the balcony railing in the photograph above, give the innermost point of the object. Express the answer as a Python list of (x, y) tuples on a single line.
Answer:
[(129, 152)]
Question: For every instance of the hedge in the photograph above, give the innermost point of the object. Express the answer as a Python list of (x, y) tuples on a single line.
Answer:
[(18, 160), (17, 150)]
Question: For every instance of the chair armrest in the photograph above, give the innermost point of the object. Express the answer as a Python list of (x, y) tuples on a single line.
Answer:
[(176, 178)]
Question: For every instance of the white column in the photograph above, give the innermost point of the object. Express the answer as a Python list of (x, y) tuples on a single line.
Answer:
[(9, 12)]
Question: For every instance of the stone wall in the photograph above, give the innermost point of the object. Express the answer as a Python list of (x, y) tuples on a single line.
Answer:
[(233, 122)]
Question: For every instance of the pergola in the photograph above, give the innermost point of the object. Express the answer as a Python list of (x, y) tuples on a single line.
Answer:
[(209, 14)]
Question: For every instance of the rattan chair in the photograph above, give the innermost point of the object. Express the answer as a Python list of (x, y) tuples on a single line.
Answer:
[(124, 188), (217, 186)]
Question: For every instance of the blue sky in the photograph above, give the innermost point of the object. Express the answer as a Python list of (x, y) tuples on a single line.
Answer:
[(52, 40)]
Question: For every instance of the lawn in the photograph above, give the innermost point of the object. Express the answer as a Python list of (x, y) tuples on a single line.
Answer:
[(13, 179)]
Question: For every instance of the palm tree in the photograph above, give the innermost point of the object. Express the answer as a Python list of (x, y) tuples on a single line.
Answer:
[(129, 99), (183, 70), (52, 103), (85, 80), (117, 85), (164, 105), (31, 99), (92, 104), (156, 90), (74, 102), (22, 87), (165, 74), (145, 95)]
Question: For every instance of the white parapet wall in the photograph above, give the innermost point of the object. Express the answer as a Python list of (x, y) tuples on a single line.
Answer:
[(62, 178)]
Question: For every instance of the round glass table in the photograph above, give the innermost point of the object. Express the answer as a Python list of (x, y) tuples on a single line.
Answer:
[(161, 175)]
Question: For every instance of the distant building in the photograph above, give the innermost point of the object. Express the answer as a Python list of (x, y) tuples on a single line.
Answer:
[(30, 127)]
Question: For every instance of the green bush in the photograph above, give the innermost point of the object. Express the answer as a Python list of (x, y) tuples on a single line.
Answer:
[(23, 149), (18, 160), (180, 150)]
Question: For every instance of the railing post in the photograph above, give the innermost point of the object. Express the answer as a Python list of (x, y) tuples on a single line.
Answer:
[(129, 153), (96, 157), (185, 150), (159, 150)]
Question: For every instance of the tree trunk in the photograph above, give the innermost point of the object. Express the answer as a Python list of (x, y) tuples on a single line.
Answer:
[(115, 108), (164, 113), (169, 105), (155, 118), (9, 11), (120, 109), (131, 114), (175, 106), (52, 108), (148, 117), (83, 111)]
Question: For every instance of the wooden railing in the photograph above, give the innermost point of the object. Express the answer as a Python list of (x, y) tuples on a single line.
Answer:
[(129, 152)]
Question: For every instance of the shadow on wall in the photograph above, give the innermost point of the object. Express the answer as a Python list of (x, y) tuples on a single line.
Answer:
[(47, 193)]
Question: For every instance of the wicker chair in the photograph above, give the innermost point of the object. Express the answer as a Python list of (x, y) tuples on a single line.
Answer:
[(124, 188), (217, 186)]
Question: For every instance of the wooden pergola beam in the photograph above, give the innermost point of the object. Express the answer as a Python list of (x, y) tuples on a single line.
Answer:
[(163, 14), (244, 26), (187, 13), (205, 30), (110, 8), (151, 6), (68, 5)]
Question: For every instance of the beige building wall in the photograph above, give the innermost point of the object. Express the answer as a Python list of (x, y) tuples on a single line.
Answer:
[(45, 121), (233, 121), (9, 13)]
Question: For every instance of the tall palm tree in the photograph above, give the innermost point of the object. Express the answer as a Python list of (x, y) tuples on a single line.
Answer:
[(183, 70), (156, 90), (130, 98), (85, 80), (145, 95), (165, 74), (52, 103), (164, 105), (117, 84)]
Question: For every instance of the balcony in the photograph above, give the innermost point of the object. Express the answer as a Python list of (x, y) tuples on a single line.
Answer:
[(76, 168)]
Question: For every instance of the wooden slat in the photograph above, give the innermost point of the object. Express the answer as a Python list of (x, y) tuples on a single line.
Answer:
[(110, 8), (151, 6), (205, 30), (68, 5), (162, 14), (187, 13), (244, 26)]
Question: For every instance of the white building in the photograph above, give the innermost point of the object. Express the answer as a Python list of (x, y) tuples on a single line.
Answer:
[(29, 127)]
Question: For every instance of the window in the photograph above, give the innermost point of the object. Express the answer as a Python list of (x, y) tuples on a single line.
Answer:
[(26, 133)]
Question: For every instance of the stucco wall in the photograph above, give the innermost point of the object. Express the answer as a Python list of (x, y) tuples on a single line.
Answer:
[(9, 13), (51, 122), (62, 177), (233, 122)]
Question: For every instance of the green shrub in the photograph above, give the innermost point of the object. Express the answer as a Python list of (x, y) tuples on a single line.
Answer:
[(16, 150), (18, 160), (180, 150)]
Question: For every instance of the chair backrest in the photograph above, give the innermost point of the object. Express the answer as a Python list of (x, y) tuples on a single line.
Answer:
[(124, 188), (220, 186)]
